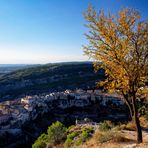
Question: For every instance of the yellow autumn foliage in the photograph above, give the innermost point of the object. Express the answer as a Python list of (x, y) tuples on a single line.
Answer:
[(120, 43)]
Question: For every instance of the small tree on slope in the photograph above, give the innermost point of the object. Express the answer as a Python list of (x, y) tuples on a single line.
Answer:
[(120, 43)]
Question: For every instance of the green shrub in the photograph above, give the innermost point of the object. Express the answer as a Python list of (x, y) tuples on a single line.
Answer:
[(78, 142), (70, 138), (78, 137), (39, 144), (86, 134), (41, 141), (88, 130), (56, 133), (72, 135), (68, 143)]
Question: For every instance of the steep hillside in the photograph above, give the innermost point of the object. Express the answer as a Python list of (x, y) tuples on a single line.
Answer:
[(49, 77)]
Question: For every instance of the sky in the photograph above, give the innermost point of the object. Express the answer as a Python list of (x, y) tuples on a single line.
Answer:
[(45, 31)]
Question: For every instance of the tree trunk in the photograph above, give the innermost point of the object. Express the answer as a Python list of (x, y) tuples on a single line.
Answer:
[(136, 120), (129, 106), (128, 103)]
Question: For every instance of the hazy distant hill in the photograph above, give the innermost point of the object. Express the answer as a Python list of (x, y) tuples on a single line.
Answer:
[(7, 68), (49, 77)]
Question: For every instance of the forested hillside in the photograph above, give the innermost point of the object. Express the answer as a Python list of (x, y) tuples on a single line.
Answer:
[(49, 77)]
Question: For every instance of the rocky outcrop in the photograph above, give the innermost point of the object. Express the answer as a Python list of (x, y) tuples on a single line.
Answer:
[(29, 116)]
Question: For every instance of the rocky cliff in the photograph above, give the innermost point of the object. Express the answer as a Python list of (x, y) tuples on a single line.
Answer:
[(22, 120)]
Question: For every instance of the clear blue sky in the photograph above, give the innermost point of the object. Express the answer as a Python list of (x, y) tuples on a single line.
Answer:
[(43, 31)]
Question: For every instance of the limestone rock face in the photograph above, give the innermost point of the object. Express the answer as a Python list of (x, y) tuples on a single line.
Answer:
[(29, 112)]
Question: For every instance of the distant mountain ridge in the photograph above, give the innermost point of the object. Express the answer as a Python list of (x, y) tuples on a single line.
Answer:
[(7, 68), (48, 77), (12, 65)]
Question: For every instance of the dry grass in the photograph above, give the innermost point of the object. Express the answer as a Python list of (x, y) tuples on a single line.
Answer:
[(120, 138), (113, 136), (131, 126), (125, 139), (117, 137), (92, 144), (110, 144)]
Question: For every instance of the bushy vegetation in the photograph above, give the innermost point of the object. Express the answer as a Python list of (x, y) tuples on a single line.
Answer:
[(105, 132), (106, 125), (102, 137), (76, 138), (114, 136), (77, 135), (143, 110), (50, 77), (70, 138), (41, 141), (55, 134)]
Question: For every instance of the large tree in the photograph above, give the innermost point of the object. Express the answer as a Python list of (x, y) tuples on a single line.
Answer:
[(120, 43)]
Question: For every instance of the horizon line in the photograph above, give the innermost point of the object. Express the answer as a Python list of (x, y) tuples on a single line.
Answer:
[(42, 63)]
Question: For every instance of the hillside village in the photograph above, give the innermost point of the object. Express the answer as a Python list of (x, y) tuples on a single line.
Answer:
[(29, 107), (15, 114)]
